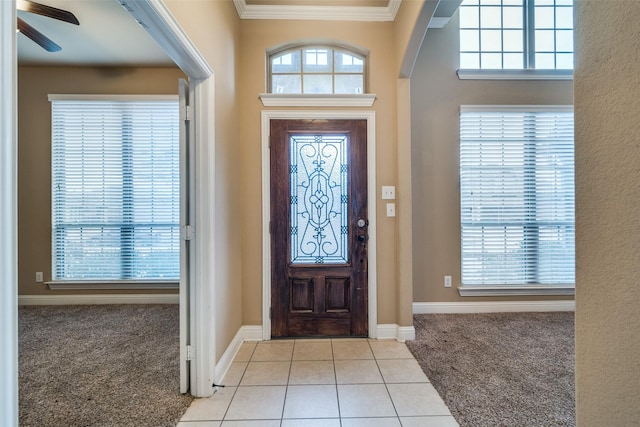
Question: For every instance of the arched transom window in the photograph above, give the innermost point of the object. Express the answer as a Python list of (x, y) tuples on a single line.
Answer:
[(317, 70)]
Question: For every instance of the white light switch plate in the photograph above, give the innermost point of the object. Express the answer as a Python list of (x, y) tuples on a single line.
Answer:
[(388, 192), (391, 209)]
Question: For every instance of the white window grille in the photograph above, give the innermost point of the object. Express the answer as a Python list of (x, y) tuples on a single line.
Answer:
[(516, 34), (317, 70)]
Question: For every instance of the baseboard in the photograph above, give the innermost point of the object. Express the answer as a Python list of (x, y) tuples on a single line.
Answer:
[(245, 333), (98, 299), (252, 332), (492, 307), (393, 331)]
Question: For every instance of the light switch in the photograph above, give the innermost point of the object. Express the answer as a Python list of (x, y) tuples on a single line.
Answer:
[(388, 192), (391, 209)]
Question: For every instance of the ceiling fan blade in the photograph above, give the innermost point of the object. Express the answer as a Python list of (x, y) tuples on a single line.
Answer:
[(48, 11), (45, 42)]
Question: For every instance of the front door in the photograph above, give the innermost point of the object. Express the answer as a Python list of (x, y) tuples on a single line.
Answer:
[(319, 228)]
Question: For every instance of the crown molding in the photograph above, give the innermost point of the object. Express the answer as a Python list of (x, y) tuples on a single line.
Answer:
[(318, 13)]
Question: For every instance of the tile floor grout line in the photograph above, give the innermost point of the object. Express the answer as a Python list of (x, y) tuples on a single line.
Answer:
[(385, 386), (244, 371), (286, 390), (335, 378)]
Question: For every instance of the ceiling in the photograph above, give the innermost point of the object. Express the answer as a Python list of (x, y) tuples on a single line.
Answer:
[(107, 35)]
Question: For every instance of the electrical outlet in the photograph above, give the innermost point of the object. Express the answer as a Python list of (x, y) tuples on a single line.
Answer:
[(447, 281), (39, 277)]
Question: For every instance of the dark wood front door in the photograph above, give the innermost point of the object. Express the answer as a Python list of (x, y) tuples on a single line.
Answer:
[(319, 228)]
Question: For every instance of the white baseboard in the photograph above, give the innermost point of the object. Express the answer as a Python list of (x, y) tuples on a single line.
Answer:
[(245, 333), (98, 299), (492, 307), (393, 331), (252, 332)]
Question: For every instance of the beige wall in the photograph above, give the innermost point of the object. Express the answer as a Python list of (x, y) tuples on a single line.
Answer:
[(213, 27), (34, 150), (607, 105), (256, 37), (436, 96)]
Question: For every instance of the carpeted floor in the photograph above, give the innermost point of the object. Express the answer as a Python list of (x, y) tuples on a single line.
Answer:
[(507, 369), (100, 365)]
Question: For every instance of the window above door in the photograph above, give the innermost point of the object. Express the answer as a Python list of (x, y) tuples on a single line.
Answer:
[(317, 73)]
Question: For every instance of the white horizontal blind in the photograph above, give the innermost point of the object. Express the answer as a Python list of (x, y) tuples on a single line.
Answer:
[(115, 189), (517, 196)]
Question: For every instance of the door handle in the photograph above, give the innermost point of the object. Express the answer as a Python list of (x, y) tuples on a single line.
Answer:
[(362, 238)]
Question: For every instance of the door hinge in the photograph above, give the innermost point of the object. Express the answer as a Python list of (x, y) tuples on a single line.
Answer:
[(269, 142), (188, 353), (187, 232), (188, 113), (270, 312), (270, 225)]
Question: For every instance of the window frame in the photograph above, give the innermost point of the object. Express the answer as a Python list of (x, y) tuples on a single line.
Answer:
[(528, 70), (334, 47), (61, 282), (530, 287)]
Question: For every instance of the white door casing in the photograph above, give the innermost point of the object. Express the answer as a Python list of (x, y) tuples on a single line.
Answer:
[(267, 116)]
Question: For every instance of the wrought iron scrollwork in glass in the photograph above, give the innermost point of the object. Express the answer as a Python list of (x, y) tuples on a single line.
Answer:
[(319, 199)]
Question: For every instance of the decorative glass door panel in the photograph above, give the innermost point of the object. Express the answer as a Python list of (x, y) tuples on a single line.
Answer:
[(319, 199)]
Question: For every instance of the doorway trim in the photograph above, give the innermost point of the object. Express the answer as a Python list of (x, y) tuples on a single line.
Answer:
[(158, 21), (8, 215), (370, 117)]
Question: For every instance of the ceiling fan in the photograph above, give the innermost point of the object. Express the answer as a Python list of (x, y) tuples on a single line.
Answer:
[(48, 11)]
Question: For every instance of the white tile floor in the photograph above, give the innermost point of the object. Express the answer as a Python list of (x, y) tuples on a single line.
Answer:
[(322, 383)]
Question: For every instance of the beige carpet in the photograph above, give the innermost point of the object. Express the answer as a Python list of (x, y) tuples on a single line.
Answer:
[(508, 369), (104, 365)]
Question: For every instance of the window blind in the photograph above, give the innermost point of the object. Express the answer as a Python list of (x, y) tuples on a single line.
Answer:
[(115, 189), (517, 196)]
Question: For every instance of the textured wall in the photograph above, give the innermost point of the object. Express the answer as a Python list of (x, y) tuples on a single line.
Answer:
[(607, 105)]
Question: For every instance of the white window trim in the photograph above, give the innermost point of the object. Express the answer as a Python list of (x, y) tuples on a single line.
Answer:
[(531, 74), (364, 100), (516, 290), (515, 108), (65, 285), (88, 97), (505, 291)]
